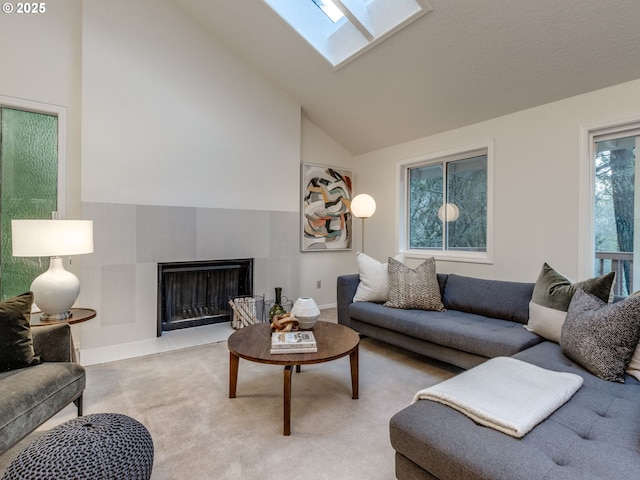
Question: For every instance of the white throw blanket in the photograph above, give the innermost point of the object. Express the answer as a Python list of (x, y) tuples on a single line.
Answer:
[(506, 394)]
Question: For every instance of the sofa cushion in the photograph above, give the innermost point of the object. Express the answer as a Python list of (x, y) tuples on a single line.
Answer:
[(551, 297), (409, 288), (16, 343), (477, 334), (601, 337), (490, 298)]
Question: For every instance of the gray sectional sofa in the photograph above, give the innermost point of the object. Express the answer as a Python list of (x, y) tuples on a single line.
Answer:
[(595, 435), (31, 395), (483, 319)]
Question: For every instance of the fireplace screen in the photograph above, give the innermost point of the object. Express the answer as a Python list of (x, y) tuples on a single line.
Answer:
[(197, 293)]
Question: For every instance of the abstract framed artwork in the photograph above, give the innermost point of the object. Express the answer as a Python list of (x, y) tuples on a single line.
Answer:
[(326, 217)]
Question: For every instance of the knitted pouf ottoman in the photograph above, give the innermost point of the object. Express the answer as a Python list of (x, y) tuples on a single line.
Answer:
[(101, 446)]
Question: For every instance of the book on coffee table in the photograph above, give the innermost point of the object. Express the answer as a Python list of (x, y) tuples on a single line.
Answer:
[(293, 342), (289, 351)]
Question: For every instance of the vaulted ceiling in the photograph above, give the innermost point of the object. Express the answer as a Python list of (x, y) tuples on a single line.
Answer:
[(465, 62)]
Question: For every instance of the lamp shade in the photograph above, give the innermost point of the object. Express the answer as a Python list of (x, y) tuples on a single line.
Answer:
[(363, 205), (51, 238)]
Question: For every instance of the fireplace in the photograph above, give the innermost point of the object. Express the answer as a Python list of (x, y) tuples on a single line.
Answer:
[(197, 293)]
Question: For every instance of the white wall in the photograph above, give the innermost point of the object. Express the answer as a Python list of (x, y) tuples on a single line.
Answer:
[(320, 149), (171, 117), (536, 187)]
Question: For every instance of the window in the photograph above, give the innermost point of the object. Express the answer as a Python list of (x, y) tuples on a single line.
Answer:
[(329, 9), (615, 201), (342, 29), (31, 143), (446, 205)]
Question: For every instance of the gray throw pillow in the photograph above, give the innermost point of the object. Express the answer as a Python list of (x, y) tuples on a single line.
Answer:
[(417, 288), (16, 344), (599, 336)]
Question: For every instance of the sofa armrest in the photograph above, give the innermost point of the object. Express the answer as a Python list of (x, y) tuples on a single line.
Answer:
[(53, 343), (346, 286)]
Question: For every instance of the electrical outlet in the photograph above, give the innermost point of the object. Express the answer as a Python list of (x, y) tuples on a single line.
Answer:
[(319, 284)]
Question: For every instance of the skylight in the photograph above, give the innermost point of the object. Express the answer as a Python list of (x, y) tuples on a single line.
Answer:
[(330, 10), (340, 30)]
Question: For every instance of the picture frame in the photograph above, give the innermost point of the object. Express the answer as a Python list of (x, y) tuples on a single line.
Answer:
[(326, 219)]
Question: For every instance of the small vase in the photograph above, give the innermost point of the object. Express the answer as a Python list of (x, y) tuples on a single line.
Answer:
[(277, 308), (306, 311)]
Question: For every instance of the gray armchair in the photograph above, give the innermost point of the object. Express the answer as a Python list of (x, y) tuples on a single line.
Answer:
[(30, 396)]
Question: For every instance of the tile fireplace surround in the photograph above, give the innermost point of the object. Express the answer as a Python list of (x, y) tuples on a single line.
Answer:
[(120, 278)]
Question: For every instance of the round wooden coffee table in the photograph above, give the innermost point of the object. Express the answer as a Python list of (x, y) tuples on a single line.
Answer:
[(253, 343)]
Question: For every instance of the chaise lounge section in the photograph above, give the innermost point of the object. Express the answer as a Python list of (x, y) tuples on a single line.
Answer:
[(595, 435)]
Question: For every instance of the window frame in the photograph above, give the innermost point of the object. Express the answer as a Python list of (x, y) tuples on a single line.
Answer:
[(586, 190), (61, 113), (442, 157)]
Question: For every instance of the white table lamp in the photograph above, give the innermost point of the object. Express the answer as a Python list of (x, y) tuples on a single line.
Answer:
[(55, 290), (363, 206)]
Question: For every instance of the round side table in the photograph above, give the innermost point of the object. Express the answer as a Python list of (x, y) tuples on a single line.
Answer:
[(78, 315)]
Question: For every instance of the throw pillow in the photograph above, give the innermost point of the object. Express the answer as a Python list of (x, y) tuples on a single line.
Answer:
[(374, 279), (417, 288), (599, 336), (551, 296), (633, 368), (16, 344)]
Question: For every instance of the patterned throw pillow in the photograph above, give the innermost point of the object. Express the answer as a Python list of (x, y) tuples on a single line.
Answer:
[(599, 336), (417, 288), (16, 344), (551, 297)]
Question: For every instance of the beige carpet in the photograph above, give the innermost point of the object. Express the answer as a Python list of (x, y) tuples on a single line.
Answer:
[(199, 433)]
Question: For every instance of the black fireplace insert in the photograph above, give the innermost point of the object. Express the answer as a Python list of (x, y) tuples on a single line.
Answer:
[(197, 293)]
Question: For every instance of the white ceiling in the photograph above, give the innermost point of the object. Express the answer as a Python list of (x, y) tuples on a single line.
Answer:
[(466, 61)]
